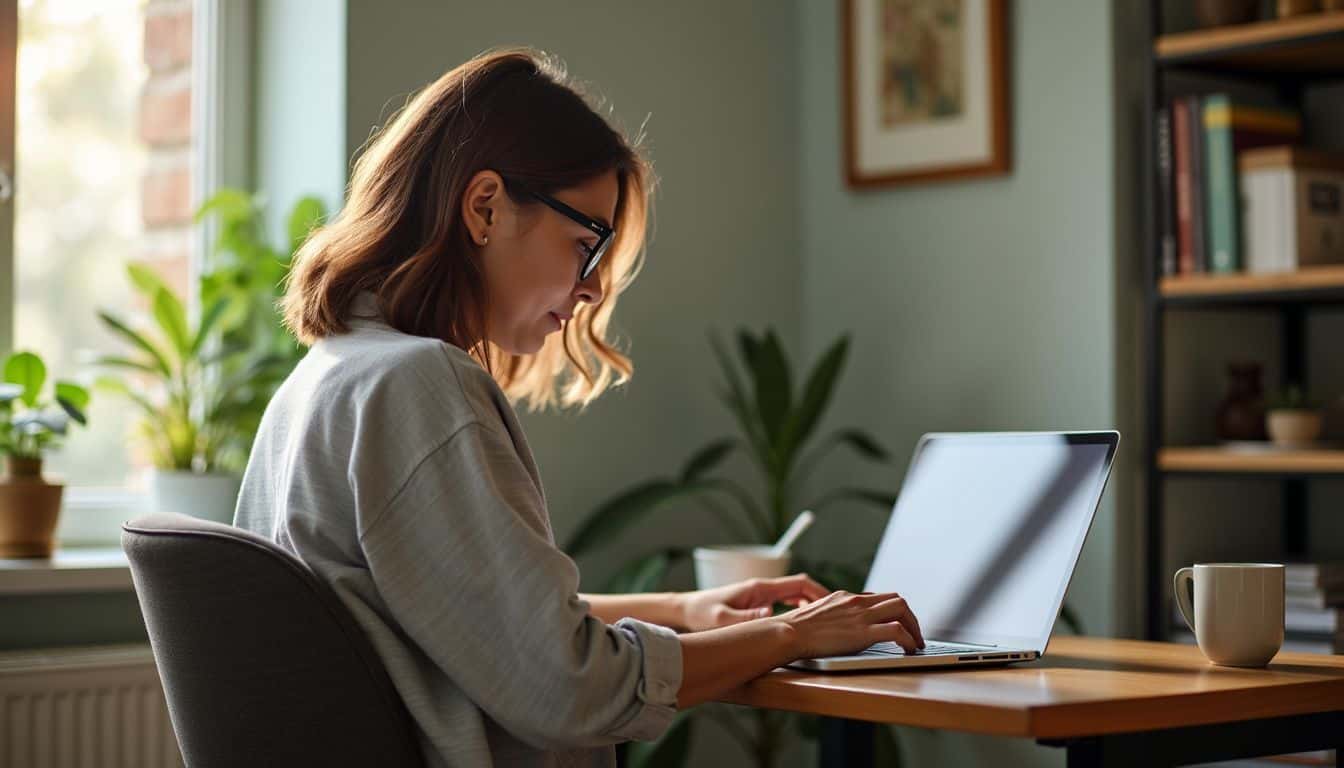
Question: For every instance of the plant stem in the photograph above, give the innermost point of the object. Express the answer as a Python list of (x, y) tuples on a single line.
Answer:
[(758, 517)]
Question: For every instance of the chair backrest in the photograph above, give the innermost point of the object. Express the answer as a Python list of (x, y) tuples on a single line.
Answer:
[(261, 663)]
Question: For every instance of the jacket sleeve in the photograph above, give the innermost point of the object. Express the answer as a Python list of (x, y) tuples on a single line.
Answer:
[(462, 557)]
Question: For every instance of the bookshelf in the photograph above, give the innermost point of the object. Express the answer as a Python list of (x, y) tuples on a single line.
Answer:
[(1214, 459), (1288, 56), (1308, 44), (1314, 283)]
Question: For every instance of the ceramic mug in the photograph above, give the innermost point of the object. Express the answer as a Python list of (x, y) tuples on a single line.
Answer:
[(1237, 612), (717, 566)]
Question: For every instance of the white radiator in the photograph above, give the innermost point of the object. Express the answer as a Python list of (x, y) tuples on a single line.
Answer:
[(89, 707)]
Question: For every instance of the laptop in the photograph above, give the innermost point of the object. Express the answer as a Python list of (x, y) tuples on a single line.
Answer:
[(982, 543)]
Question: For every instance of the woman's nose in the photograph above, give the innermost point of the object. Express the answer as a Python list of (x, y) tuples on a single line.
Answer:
[(589, 290)]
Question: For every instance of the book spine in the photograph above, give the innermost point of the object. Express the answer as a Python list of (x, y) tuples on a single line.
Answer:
[(1166, 213), (1198, 186), (1221, 187), (1180, 124)]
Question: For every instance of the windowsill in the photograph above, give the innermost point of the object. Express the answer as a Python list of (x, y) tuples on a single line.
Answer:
[(73, 570)]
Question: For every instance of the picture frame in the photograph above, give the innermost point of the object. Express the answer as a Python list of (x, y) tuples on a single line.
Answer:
[(925, 87)]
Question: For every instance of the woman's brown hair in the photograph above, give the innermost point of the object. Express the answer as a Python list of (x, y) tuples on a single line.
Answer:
[(401, 234)]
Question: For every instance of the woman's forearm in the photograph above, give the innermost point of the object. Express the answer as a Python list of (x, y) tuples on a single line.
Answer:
[(716, 661), (663, 608)]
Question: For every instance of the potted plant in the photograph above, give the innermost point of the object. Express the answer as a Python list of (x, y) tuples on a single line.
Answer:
[(251, 273), (215, 380), (776, 433), (197, 398), (1292, 420), (776, 427), (31, 425)]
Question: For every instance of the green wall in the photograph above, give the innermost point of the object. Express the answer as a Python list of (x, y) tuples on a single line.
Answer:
[(719, 102), (994, 304)]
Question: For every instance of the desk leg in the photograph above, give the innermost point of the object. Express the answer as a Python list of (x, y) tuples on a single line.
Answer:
[(846, 743), (1206, 743)]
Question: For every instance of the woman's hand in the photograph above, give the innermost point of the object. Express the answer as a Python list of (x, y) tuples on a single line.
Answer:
[(746, 600), (843, 622)]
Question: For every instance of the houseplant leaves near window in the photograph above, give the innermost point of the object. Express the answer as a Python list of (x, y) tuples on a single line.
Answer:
[(776, 427), (31, 425), (211, 382)]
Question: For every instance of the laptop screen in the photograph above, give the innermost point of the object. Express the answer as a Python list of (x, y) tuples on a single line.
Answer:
[(987, 529)]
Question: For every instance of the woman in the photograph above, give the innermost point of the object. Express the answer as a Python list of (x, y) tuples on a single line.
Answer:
[(487, 233)]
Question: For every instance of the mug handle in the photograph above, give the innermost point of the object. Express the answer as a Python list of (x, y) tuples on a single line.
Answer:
[(1181, 584)]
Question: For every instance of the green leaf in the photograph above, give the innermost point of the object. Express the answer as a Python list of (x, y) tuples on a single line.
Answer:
[(1070, 619), (117, 386), (671, 751), (861, 442), (145, 280), (26, 370), (161, 362), (113, 361), (707, 458), (774, 390), (306, 214), (208, 320), (620, 512), (228, 203), (816, 396), (735, 399), (643, 574), (749, 348), (172, 318), (74, 399)]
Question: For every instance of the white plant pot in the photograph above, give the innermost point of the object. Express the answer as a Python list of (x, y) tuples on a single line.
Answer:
[(1292, 427), (207, 496), (717, 566)]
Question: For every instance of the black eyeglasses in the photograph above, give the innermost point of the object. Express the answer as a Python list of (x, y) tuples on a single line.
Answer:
[(603, 232)]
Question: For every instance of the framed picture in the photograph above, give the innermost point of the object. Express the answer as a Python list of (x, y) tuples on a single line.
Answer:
[(926, 90)]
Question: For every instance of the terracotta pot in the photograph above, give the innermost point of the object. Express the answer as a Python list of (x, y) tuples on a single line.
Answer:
[(1218, 13), (29, 509), (1293, 428)]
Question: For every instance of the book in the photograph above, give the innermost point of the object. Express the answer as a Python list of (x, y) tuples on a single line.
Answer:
[(1314, 575), (1292, 216), (1198, 225), (1312, 620), (1166, 212), (1228, 128), (1180, 146)]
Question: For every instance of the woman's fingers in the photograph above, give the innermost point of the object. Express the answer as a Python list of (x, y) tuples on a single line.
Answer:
[(897, 633), (788, 589), (894, 608)]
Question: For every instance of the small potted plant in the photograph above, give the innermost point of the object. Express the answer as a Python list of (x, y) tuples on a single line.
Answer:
[(200, 399), (29, 427), (1292, 420)]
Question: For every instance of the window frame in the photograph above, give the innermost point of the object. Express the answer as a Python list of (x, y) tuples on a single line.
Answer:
[(221, 89)]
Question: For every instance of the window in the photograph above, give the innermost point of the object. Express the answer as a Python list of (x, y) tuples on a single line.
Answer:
[(120, 128)]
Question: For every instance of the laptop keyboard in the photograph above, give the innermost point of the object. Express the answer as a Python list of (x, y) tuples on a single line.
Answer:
[(930, 649)]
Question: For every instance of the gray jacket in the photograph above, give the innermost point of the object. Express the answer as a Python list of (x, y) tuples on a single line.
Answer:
[(395, 468)]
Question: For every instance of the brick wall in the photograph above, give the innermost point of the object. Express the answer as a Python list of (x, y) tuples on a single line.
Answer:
[(165, 128)]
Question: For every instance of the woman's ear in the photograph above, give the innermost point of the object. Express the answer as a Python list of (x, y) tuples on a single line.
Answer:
[(481, 205)]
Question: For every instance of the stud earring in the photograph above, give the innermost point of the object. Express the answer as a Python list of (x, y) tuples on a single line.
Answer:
[(484, 239)]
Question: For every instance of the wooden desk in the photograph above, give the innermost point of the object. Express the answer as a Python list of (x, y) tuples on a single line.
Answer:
[(1109, 702)]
